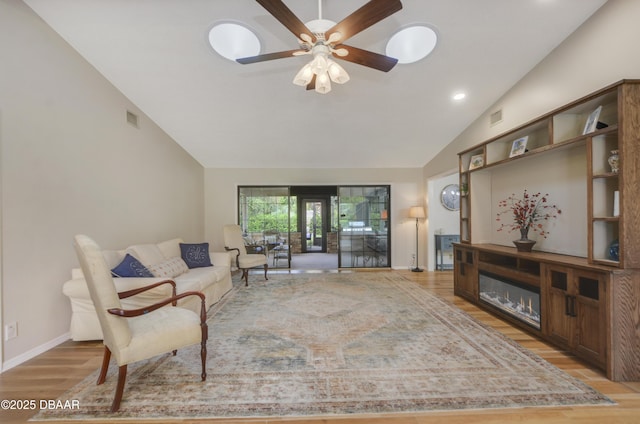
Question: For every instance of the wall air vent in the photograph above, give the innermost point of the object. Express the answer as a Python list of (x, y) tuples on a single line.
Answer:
[(495, 118), (132, 118)]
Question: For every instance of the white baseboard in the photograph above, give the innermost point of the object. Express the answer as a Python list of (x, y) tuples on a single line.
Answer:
[(13, 362)]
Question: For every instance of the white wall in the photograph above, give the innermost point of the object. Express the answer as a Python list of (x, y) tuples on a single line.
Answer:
[(221, 186), (541, 173), (72, 164), (601, 52)]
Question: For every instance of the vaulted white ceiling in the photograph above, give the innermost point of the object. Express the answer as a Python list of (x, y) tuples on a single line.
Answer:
[(229, 115)]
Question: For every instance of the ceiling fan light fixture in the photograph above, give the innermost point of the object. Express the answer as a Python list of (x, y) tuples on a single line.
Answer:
[(320, 38)]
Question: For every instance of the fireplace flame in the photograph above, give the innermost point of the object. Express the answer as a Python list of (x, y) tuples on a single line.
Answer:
[(524, 304), (515, 300)]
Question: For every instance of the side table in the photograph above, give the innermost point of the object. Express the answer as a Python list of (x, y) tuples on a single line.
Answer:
[(444, 243)]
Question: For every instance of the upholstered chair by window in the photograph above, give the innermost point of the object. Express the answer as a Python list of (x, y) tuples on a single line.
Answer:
[(233, 241)]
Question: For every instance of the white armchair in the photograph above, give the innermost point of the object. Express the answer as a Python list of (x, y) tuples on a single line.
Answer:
[(137, 334), (233, 241)]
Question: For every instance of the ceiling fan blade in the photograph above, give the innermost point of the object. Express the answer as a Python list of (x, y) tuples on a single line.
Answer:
[(286, 17), (267, 56), (367, 58), (312, 83), (369, 14)]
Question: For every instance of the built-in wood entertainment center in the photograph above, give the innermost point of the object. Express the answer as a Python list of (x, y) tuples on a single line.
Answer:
[(580, 289)]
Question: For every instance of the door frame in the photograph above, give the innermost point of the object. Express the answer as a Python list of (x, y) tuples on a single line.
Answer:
[(302, 218)]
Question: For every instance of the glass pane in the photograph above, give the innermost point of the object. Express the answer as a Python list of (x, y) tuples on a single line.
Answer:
[(264, 214), (363, 226), (313, 223)]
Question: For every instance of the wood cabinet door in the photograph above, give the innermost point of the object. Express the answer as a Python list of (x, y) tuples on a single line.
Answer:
[(591, 317), (465, 282), (560, 325), (576, 315)]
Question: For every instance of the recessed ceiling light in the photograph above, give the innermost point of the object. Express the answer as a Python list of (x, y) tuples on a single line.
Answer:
[(232, 41), (459, 96), (412, 43)]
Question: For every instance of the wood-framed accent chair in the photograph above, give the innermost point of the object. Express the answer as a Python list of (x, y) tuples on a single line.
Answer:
[(134, 335), (244, 261)]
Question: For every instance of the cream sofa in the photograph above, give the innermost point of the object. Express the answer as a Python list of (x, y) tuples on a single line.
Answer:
[(214, 281)]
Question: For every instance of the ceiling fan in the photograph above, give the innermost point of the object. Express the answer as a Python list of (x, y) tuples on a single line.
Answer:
[(324, 40)]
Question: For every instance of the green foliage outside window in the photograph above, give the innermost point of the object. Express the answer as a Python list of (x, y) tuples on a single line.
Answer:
[(266, 213)]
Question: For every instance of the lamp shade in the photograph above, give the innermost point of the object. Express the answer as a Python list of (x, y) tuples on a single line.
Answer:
[(416, 212), (304, 76), (337, 72), (323, 83)]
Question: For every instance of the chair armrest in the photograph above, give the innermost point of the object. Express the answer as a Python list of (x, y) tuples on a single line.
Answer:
[(133, 292), (229, 249), (173, 299), (220, 258)]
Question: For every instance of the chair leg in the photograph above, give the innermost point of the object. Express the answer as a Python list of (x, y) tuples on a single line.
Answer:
[(105, 365), (203, 350), (122, 376), (245, 274)]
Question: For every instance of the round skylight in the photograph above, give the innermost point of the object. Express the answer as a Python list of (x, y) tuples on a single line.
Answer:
[(233, 41), (412, 43)]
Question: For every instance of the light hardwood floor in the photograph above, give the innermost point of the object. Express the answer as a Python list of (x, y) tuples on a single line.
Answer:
[(50, 374)]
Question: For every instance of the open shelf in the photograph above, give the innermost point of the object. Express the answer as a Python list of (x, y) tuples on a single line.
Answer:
[(536, 136), (570, 123), (605, 233)]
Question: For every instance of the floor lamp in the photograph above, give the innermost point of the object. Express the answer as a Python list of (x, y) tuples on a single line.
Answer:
[(416, 212)]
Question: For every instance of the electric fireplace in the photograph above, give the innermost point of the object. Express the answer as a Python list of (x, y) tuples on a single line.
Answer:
[(516, 299)]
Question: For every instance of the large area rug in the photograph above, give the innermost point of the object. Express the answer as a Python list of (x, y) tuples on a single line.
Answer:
[(334, 343)]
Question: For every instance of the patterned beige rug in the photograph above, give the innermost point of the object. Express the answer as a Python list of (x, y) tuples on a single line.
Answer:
[(314, 344)]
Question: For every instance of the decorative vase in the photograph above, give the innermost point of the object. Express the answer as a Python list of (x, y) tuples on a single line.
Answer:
[(614, 250), (613, 161), (524, 244)]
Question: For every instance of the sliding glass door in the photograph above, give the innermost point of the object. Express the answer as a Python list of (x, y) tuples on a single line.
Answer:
[(268, 220), (281, 221), (364, 226)]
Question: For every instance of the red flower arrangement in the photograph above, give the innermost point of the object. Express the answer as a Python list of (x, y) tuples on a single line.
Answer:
[(528, 213)]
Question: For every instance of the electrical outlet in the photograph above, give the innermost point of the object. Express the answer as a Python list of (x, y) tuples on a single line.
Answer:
[(10, 331)]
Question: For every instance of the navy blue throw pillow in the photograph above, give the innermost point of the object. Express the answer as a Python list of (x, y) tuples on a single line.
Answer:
[(131, 267), (195, 255)]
